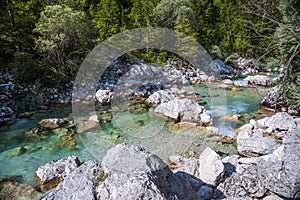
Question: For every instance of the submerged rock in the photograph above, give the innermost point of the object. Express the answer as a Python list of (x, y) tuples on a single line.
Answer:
[(16, 152), (87, 125), (53, 123), (51, 174), (18, 191), (184, 110)]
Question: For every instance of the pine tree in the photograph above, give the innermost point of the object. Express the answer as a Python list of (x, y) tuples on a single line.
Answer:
[(107, 18)]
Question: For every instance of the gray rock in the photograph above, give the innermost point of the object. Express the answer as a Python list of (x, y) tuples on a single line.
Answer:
[(94, 118), (184, 110), (245, 182), (211, 167), (133, 173), (263, 136), (272, 197), (205, 192), (228, 82), (278, 123), (51, 174), (226, 71), (104, 96), (259, 80), (256, 146), (224, 87), (272, 98), (283, 178), (190, 166), (277, 173), (161, 96), (79, 184)]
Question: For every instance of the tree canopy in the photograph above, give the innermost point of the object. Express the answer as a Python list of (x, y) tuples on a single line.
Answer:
[(53, 36)]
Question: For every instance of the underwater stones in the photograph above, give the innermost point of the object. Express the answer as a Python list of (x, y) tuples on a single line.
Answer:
[(161, 96), (68, 139), (18, 191), (227, 82), (53, 123), (51, 174), (16, 152), (137, 105), (38, 133), (184, 110), (104, 96), (224, 87), (87, 125), (25, 115)]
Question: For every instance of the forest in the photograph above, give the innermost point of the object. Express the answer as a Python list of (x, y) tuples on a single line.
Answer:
[(44, 41)]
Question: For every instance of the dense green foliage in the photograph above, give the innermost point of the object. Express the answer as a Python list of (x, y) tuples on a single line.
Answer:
[(47, 40)]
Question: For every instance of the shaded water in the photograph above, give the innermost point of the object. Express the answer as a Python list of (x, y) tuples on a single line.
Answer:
[(143, 129)]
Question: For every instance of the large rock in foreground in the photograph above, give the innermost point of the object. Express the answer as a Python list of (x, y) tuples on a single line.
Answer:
[(277, 173), (133, 173), (184, 110), (127, 172), (79, 184), (51, 174), (273, 164), (211, 167)]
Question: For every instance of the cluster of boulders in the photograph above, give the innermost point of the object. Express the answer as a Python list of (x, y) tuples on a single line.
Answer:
[(261, 80), (267, 167), (272, 161), (275, 101), (142, 80)]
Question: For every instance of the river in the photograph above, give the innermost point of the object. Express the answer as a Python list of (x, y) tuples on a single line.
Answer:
[(229, 109)]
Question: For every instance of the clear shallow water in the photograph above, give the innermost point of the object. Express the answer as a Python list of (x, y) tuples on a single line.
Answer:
[(144, 129)]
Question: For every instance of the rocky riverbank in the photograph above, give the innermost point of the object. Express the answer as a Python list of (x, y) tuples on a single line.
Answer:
[(267, 167)]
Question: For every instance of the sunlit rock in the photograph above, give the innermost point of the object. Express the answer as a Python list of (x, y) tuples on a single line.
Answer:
[(53, 123), (51, 174), (184, 110)]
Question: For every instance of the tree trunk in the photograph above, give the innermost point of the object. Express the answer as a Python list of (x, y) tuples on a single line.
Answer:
[(12, 22)]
